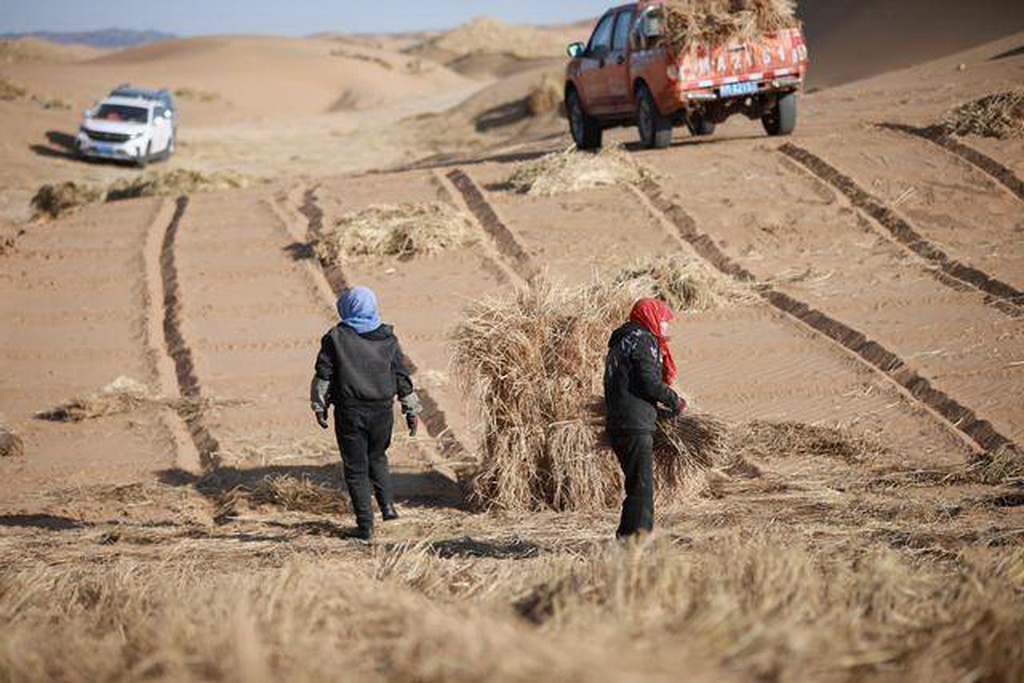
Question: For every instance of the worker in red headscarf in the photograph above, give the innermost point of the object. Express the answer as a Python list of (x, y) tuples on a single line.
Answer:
[(639, 371)]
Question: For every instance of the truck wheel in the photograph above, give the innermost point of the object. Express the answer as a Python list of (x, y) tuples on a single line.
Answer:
[(586, 132), (699, 124), (781, 120), (655, 129)]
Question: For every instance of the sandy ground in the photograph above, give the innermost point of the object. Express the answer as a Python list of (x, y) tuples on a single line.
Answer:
[(216, 298)]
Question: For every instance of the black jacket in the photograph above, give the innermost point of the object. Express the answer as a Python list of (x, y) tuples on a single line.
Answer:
[(632, 381), (362, 369)]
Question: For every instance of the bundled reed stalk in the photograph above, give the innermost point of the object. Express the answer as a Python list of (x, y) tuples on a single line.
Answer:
[(535, 360), (689, 22), (573, 171), (123, 395), (995, 116), (403, 230)]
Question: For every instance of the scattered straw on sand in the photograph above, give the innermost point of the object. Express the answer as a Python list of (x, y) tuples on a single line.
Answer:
[(196, 95), (10, 91), (403, 230), (10, 444), (298, 494), (545, 97), (178, 181), (58, 199), (768, 440), (690, 22), (573, 171), (534, 360), (686, 284), (52, 201), (1000, 115), (123, 395)]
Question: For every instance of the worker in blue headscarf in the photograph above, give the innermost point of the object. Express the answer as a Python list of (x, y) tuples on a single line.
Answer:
[(360, 370)]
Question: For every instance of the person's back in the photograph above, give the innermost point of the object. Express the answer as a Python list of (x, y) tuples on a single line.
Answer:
[(360, 370)]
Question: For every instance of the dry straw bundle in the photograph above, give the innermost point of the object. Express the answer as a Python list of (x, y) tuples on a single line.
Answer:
[(178, 181), (57, 199), (123, 395), (688, 22), (995, 116), (534, 360), (297, 494), (403, 230), (573, 171)]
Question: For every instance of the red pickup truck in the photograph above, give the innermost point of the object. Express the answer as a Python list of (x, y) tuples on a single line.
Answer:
[(624, 76)]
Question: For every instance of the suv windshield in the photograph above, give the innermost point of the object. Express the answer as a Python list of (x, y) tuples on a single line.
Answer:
[(120, 112)]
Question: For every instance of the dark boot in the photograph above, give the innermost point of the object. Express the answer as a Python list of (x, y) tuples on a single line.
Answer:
[(363, 533), (388, 512)]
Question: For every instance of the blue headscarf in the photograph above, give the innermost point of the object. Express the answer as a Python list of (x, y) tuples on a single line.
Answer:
[(358, 309)]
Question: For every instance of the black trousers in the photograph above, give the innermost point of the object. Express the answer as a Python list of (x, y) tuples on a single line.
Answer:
[(636, 456), (364, 434)]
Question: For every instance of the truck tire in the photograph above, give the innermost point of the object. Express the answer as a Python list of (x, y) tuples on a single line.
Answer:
[(586, 131), (655, 128), (699, 125), (781, 120)]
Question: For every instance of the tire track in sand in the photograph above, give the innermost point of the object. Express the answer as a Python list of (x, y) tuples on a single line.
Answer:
[(962, 419), (433, 416), (983, 162), (505, 241), (190, 409), (1005, 297)]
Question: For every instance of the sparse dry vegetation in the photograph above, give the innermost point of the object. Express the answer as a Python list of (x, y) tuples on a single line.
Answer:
[(178, 181), (995, 116), (545, 97), (298, 494), (10, 91), (123, 395), (534, 361), (574, 171), (58, 199), (197, 95), (11, 445), (689, 22), (769, 440), (402, 230)]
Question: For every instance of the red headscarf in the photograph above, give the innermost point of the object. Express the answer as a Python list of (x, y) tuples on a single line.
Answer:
[(651, 313)]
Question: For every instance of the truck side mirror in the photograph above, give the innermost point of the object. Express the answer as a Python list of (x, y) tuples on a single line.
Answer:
[(576, 50)]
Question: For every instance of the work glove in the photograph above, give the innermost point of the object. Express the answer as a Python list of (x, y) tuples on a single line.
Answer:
[(321, 419), (681, 406), (412, 422)]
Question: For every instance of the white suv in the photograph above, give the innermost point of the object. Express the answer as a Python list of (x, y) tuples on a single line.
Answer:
[(127, 129)]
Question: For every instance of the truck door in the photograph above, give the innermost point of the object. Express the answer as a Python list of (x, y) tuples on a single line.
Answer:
[(593, 83), (616, 68)]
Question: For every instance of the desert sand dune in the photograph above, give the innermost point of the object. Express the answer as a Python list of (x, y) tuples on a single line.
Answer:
[(900, 34)]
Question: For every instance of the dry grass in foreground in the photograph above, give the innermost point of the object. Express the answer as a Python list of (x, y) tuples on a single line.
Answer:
[(534, 361), (995, 116), (574, 171), (402, 230), (764, 602)]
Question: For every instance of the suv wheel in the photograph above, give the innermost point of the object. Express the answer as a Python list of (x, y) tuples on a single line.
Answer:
[(699, 124), (781, 119), (586, 132), (655, 129), (143, 159)]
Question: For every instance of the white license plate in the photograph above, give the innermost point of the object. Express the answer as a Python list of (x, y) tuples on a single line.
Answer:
[(735, 89)]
